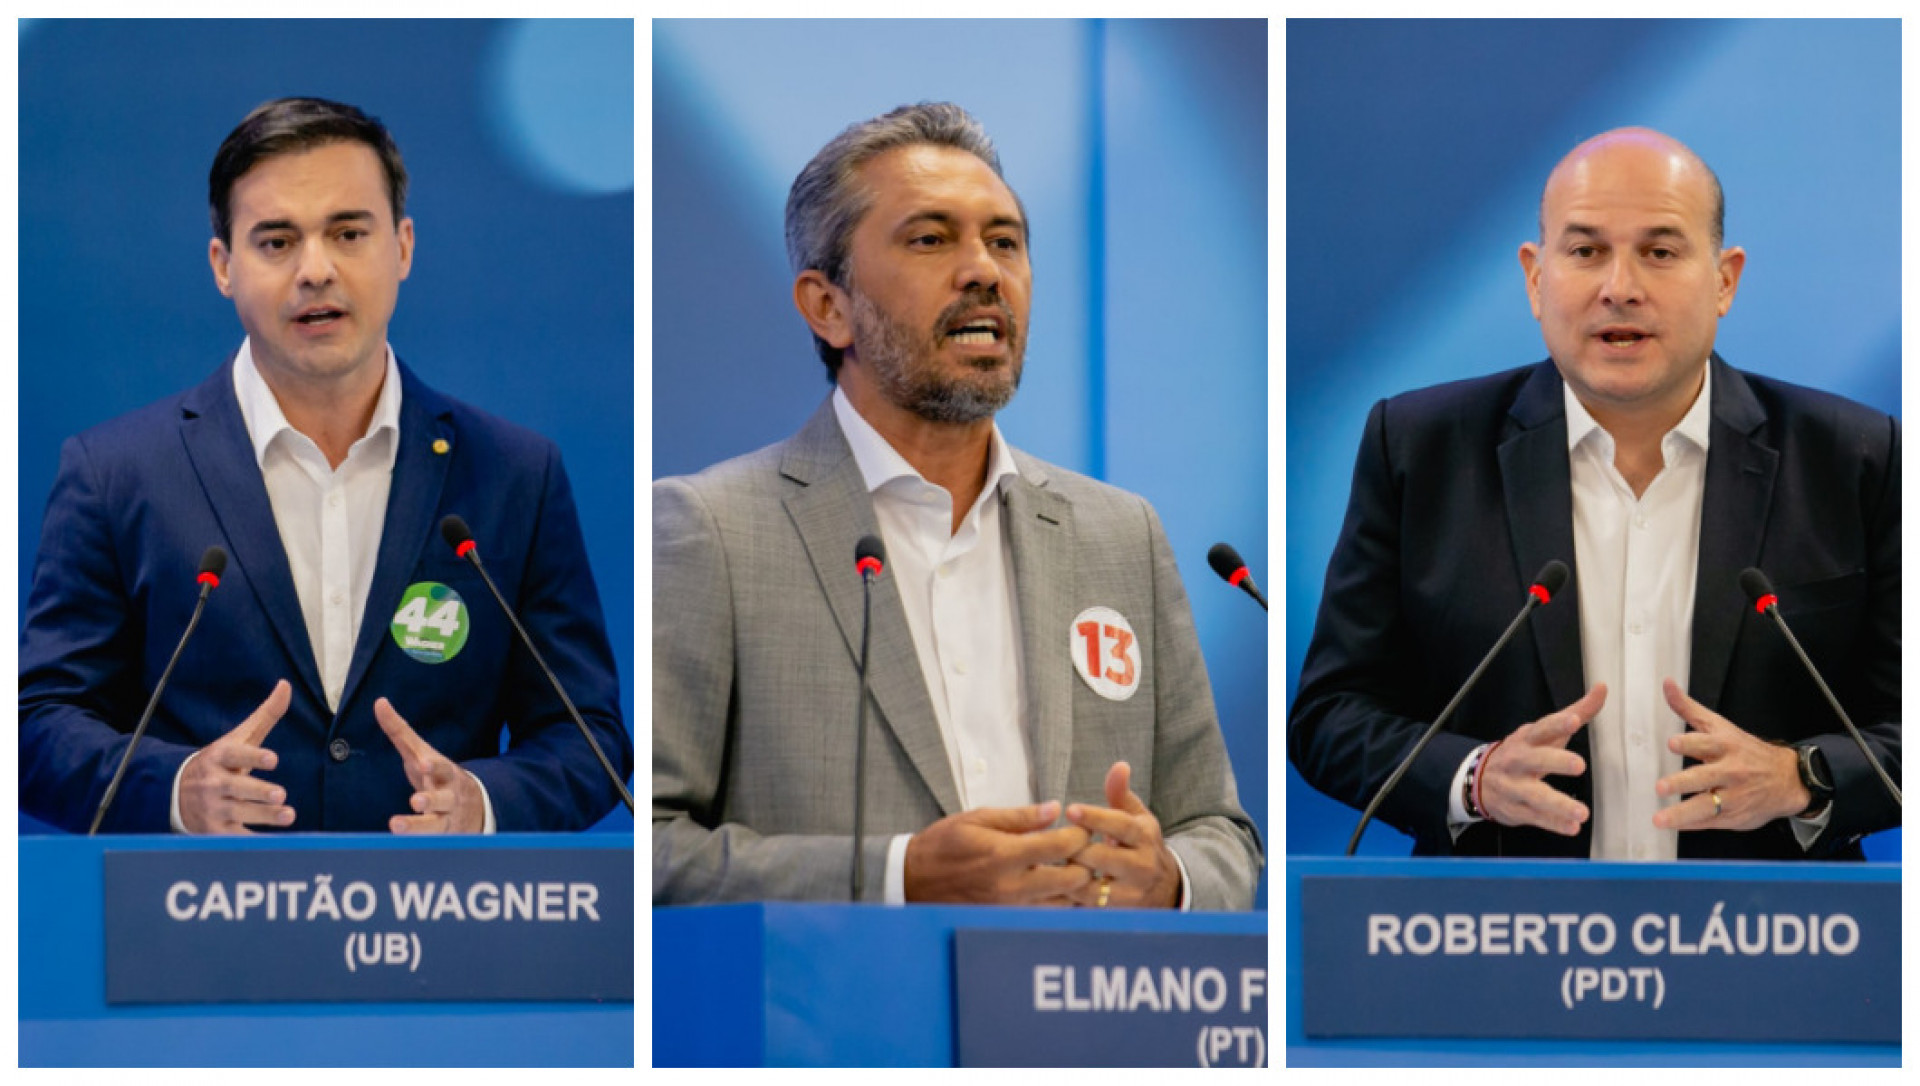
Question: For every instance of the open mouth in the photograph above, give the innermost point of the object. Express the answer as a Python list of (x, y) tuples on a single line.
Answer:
[(316, 318), (1622, 338), (983, 333)]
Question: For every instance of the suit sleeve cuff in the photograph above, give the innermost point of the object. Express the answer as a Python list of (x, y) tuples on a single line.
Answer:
[(1186, 883), (896, 888), (1808, 830), (486, 806), (173, 804), (1457, 817)]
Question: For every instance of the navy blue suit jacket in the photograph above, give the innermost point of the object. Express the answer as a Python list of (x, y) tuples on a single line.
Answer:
[(136, 502), (1461, 494)]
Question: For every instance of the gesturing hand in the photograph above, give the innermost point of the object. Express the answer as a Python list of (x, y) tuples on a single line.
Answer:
[(1003, 855), (1512, 789), (446, 798), (1126, 851), (219, 794), (1757, 782)]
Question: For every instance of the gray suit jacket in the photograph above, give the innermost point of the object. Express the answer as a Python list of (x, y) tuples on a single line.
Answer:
[(756, 636)]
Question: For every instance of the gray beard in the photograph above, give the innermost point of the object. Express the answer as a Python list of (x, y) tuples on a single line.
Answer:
[(907, 375)]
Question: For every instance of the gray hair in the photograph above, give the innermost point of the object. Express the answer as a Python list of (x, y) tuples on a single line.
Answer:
[(827, 200)]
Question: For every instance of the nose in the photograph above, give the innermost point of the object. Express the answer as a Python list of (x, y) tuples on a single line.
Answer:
[(1622, 285), (976, 268), (316, 264)]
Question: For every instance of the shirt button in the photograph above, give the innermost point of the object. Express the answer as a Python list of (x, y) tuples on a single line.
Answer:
[(338, 750), (977, 767), (1640, 522), (333, 499), (945, 571), (339, 598), (1635, 629), (959, 667)]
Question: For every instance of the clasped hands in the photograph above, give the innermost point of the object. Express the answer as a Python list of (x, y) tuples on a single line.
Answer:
[(1756, 781), (1016, 856), (220, 795)]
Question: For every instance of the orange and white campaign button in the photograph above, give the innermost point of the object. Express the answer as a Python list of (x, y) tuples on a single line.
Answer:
[(1105, 652)]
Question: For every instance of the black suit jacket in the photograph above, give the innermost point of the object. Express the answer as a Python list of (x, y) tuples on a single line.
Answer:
[(1461, 494)]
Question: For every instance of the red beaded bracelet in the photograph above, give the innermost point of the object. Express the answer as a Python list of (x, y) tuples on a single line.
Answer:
[(1477, 810)]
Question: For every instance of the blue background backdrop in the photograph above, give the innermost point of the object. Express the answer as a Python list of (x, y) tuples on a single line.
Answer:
[(1140, 149), (518, 138), (1415, 156)]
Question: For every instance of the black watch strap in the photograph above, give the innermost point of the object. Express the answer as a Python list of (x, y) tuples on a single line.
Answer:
[(1816, 777)]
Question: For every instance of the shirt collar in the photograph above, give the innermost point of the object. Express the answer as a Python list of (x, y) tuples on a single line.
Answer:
[(881, 464), (260, 409), (1694, 426)]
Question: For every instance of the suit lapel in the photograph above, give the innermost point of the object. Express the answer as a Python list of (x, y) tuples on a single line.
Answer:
[(216, 441), (1039, 527), (1733, 515), (831, 510), (1536, 479), (413, 506)]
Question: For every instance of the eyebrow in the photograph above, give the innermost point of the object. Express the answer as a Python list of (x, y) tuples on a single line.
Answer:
[(266, 226), (947, 218), (1583, 230)]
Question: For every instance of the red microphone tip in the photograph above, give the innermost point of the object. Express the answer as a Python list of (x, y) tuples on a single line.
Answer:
[(1238, 575), (868, 566), (1540, 593), (1765, 602), (209, 579), (463, 548)]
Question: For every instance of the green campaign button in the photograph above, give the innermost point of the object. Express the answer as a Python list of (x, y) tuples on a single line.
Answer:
[(431, 624)]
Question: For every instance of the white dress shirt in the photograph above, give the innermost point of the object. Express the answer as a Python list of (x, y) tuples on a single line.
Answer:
[(1637, 559), (957, 590), (330, 520)]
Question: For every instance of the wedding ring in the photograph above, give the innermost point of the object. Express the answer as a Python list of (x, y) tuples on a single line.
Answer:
[(1715, 793), (1106, 888)]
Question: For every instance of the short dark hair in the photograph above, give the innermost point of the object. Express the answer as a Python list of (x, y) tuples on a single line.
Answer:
[(827, 200), (289, 125)]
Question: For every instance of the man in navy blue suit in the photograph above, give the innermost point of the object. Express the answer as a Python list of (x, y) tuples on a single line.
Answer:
[(347, 674), (1648, 714)]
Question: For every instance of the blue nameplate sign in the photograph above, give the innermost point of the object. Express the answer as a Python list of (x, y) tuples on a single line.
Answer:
[(1110, 999), (1669, 959), (369, 925)]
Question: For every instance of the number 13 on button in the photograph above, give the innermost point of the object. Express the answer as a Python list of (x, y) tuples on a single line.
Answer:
[(1105, 653)]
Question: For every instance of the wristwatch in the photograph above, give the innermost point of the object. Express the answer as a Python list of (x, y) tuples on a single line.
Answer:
[(1816, 778)]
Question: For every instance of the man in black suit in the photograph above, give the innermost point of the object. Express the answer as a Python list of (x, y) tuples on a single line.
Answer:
[(1649, 713)]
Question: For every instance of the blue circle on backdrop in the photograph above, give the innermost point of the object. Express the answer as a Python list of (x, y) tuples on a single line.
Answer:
[(562, 102)]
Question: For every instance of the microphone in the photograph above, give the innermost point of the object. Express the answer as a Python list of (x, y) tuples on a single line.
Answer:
[(1545, 585), (1760, 592), (212, 564), (454, 530), (1226, 562), (870, 559)]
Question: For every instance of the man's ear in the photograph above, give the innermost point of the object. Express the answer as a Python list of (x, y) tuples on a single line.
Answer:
[(826, 308), (1531, 266), (1732, 262), (218, 257)]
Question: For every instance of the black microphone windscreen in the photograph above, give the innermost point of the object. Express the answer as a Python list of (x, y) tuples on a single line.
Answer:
[(1225, 560), (869, 547), (454, 530), (214, 561), (1553, 577), (1755, 584)]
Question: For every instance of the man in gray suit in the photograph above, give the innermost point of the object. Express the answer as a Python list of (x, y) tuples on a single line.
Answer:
[(1042, 730)]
